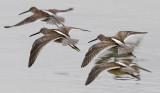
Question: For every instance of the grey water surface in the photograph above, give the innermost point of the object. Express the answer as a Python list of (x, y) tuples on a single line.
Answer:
[(57, 68)]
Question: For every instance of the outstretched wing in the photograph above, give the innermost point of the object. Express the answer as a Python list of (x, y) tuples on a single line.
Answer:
[(80, 29), (38, 45), (94, 50), (96, 70), (55, 11), (124, 34), (26, 21)]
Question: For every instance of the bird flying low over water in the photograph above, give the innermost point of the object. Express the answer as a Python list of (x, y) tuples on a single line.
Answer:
[(60, 35), (116, 68), (108, 42), (48, 16)]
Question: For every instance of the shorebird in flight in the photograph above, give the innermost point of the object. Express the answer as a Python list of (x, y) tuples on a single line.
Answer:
[(60, 35), (48, 16), (116, 68), (109, 42)]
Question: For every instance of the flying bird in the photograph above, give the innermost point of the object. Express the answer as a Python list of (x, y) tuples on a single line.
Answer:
[(59, 35), (116, 68), (109, 42), (49, 16)]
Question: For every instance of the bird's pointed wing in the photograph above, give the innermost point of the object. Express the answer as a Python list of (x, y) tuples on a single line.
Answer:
[(38, 45), (94, 50), (26, 21), (80, 29), (143, 68), (96, 70), (55, 11), (125, 34)]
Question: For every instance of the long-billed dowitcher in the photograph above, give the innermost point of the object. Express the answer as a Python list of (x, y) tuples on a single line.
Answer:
[(116, 68), (108, 42), (60, 35), (48, 16)]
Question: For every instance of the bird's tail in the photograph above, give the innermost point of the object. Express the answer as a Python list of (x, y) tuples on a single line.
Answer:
[(131, 71), (54, 20), (126, 49), (75, 47), (69, 41), (60, 19)]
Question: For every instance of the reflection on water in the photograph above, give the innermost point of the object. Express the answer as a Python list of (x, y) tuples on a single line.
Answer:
[(120, 65), (112, 54), (61, 73), (50, 74)]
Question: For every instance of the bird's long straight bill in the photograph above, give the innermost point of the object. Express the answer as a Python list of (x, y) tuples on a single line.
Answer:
[(92, 40), (34, 34), (24, 12)]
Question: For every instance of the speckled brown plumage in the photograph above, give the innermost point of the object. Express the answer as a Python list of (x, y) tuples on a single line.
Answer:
[(39, 14), (108, 42)]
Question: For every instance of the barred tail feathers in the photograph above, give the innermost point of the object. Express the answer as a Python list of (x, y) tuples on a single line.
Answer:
[(54, 20), (69, 41), (126, 49), (61, 19)]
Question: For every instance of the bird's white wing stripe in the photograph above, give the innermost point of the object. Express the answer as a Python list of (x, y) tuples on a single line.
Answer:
[(118, 42), (61, 33), (122, 64), (133, 64), (57, 38), (50, 13), (113, 68)]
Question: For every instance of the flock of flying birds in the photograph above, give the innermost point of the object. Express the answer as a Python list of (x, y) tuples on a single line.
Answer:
[(61, 35)]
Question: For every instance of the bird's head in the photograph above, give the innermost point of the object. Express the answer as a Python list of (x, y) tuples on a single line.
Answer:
[(32, 9), (99, 37), (43, 31)]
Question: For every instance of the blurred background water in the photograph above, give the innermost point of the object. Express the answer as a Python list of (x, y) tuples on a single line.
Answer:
[(57, 69)]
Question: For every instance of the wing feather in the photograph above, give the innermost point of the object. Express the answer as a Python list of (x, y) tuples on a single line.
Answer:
[(94, 50), (38, 45), (125, 34), (26, 21), (96, 70)]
